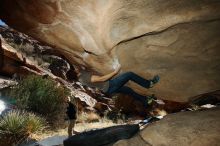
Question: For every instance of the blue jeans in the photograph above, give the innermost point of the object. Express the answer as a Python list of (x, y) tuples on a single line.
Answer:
[(116, 85)]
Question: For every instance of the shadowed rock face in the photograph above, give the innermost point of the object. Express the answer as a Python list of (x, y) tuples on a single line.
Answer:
[(179, 40)]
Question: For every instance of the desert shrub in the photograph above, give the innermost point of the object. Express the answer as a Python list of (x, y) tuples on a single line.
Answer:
[(16, 126), (41, 95)]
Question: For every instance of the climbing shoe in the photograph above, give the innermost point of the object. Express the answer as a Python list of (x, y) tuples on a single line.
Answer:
[(155, 80), (150, 99)]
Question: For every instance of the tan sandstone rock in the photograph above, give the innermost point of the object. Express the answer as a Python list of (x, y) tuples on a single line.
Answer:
[(179, 40), (198, 128)]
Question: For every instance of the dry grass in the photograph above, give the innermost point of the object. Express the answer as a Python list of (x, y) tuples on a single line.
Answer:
[(79, 127), (85, 122), (88, 117)]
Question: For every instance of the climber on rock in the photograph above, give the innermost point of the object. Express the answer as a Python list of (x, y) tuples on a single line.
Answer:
[(110, 85)]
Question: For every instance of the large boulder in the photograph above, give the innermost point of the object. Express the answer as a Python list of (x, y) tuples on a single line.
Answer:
[(179, 40), (197, 128), (102, 137), (212, 98)]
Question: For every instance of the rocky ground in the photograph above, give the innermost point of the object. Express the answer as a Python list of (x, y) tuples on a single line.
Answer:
[(198, 128)]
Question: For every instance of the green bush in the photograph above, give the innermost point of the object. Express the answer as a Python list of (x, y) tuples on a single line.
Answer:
[(41, 95), (16, 126)]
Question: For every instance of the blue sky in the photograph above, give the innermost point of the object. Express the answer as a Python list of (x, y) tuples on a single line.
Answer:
[(2, 23)]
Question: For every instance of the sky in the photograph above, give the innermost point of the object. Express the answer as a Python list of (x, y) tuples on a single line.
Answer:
[(1, 22), (2, 106)]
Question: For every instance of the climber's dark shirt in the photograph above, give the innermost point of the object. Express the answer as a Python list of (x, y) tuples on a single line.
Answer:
[(71, 111)]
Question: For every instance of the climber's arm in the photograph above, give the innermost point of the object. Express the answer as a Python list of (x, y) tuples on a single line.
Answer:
[(95, 78)]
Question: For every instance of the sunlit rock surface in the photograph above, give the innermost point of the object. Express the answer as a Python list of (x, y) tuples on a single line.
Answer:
[(179, 40), (13, 62)]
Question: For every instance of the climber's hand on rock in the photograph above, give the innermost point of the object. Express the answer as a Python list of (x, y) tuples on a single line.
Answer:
[(118, 68)]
